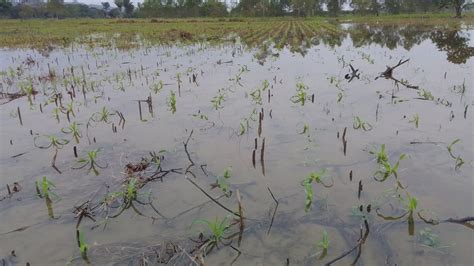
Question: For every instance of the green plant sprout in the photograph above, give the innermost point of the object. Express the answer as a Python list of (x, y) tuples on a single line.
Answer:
[(380, 155), (359, 123), (340, 95), (102, 116), (257, 96), (127, 196), (305, 130), (308, 189), (301, 94), (201, 116), (70, 109), (265, 85), (315, 177), (242, 128), (217, 231), (426, 95), (73, 129), (222, 182), (56, 112), (387, 169), (43, 190), (27, 88), (431, 240), (156, 88), (244, 125), (411, 205), (51, 141), (458, 159), (238, 76), (172, 102), (157, 158), (324, 245), (416, 120), (82, 244), (218, 100), (91, 161)]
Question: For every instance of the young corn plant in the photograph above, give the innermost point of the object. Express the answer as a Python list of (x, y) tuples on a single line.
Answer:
[(257, 96), (217, 230), (218, 100), (361, 124), (172, 102), (56, 112), (222, 182), (43, 190), (91, 161), (387, 169), (73, 129), (380, 155), (415, 120), (426, 95), (324, 244), (81, 242), (102, 116), (306, 131), (412, 205), (458, 159), (69, 109), (46, 142), (27, 89), (156, 88), (316, 177), (301, 95)]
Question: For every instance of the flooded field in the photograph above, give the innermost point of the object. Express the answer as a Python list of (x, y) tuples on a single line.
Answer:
[(301, 144)]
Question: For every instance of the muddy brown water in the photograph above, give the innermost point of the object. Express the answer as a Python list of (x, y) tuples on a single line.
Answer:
[(440, 62)]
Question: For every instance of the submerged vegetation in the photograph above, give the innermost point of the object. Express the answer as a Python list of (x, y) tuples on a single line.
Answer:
[(252, 156)]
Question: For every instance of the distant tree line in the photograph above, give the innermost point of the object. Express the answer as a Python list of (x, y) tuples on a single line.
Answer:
[(216, 8)]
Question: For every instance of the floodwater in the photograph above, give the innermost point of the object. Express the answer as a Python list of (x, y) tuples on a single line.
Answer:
[(216, 91)]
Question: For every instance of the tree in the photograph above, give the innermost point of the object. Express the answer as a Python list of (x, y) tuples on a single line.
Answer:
[(375, 7), (457, 5), (213, 8), (5, 8), (105, 6), (119, 4), (393, 6), (128, 7), (55, 8), (361, 6), (334, 7)]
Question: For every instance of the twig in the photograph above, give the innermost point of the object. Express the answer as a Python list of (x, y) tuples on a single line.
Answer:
[(274, 212), (360, 242), (241, 220), (209, 196), (53, 162), (187, 152)]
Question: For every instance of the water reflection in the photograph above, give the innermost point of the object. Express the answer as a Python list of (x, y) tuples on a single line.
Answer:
[(455, 43), (451, 39)]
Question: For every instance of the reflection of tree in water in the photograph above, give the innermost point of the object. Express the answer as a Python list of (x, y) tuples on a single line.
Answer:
[(450, 39), (332, 39), (455, 43), (390, 36)]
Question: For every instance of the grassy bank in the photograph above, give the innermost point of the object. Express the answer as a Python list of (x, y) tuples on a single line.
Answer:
[(41, 33)]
